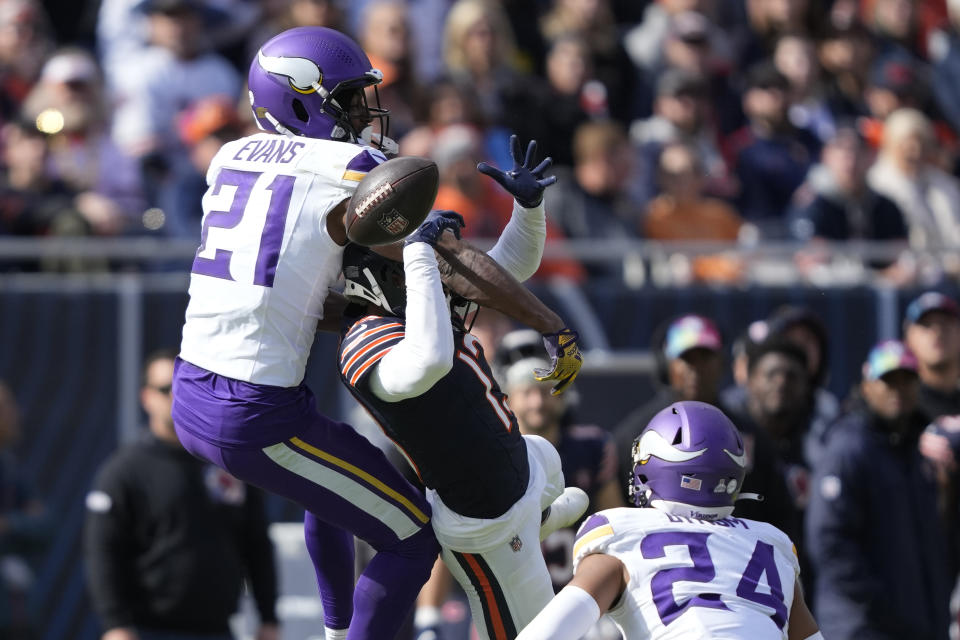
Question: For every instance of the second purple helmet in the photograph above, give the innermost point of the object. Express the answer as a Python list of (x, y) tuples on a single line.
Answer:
[(689, 460), (302, 82)]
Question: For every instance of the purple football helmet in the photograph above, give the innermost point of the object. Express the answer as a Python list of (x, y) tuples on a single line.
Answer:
[(302, 83), (689, 460)]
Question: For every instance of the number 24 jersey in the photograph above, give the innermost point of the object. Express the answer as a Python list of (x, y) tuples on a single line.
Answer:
[(731, 579)]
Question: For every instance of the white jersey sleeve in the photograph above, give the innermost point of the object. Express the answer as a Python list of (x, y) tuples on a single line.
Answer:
[(266, 261), (520, 246), (731, 579), (425, 353)]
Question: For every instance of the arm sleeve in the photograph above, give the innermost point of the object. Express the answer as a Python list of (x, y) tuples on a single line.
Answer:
[(108, 552), (520, 246), (425, 354), (568, 616), (259, 557)]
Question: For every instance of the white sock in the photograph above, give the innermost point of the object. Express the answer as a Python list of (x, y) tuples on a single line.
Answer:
[(565, 510), (425, 617), (335, 634)]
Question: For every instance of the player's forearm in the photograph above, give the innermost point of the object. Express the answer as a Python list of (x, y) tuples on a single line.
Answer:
[(478, 277), (425, 354), (520, 246), (568, 616)]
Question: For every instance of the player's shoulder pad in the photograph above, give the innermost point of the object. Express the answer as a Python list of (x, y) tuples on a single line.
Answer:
[(615, 530), (362, 162), (774, 536), (365, 342), (598, 531), (340, 163), (223, 156)]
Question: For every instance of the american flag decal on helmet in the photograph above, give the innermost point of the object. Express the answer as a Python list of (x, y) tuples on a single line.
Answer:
[(392, 222)]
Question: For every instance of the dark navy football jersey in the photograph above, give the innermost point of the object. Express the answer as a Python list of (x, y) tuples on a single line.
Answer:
[(459, 435)]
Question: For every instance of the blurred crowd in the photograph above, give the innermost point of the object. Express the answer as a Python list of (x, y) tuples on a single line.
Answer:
[(735, 121)]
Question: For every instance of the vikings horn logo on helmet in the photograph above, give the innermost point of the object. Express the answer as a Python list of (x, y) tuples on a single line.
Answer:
[(304, 75), (653, 444)]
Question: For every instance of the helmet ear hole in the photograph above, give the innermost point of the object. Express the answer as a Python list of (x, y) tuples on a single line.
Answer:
[(300, 110), (678, 438)]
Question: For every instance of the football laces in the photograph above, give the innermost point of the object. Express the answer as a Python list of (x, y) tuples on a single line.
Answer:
[(377, 196)]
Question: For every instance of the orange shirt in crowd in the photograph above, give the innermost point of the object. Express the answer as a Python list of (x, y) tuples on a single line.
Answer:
[(704, 219), (488, 217)]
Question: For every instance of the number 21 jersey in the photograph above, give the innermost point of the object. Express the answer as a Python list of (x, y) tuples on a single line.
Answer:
[(266, 261), (728, 579)]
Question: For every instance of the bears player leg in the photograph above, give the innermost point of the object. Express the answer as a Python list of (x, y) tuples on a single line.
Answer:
[(498, 561), (506, 585)]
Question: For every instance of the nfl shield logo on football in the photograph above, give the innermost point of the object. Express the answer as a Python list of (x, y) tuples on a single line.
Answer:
[(688, 482), (392, 222), (516, 544)]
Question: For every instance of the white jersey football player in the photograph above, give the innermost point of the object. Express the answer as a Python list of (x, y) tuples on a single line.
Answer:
[(271, 247), (684, 567)]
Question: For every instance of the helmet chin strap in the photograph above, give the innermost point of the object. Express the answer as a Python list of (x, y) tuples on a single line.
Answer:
[(323, 92), (276, 125), (377, 291)]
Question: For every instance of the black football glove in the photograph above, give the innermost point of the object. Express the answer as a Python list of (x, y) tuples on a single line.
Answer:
[(436, 222), (526, 185), (564, 352)]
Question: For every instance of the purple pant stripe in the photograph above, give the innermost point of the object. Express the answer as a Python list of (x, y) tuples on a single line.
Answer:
[(367, 477), (234, 425)]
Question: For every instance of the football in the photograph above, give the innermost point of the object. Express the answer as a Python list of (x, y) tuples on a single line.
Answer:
[(392, 200)]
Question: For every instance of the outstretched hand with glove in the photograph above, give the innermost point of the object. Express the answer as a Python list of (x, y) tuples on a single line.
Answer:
[(524, 183)]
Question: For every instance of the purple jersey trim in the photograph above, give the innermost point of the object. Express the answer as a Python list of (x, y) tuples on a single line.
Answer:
[(364, 161), (594, 521)]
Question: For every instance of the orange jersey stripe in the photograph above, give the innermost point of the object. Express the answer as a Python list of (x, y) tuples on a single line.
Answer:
[(369, 363), (499, 632), (378, 341), (488, 385), (359, 338)]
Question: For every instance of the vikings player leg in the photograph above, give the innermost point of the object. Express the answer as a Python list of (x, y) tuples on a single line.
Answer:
[(271, 246), (682, 566)]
